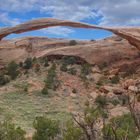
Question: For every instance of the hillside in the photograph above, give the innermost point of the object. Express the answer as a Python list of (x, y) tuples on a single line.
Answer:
[(56, 77)]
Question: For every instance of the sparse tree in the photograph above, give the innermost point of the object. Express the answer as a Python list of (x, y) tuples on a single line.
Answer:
[(12, 69), (46, 129)]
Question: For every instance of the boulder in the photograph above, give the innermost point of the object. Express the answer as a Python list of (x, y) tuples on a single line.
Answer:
[(118, 111), (94, 95), (115, 90), (96, 69), (94, 77), (114, 71), (127, 83), (134, 89), (73, 95)]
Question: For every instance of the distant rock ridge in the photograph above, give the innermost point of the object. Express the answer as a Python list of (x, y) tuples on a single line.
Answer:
[(132, 33)]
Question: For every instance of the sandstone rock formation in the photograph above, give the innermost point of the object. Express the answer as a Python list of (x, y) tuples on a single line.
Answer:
[(132, 34), (94, 52)]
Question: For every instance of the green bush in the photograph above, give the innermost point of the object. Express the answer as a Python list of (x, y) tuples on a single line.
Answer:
[(123, 128), (27, 63), (124, 99), (72, 71), (34, 60), (63, 68), (69, 60), (72, 132), (138, 98), (46, 62), (74, 90), (99, 84), (37, 67), (73, 42), (101, 100), (102, 65), (51, 81), (115, 79), (12, 70), (86, 69), (4, 79), (45, 91), (8, 131), (115, 102), (45, 128), (21, 64)]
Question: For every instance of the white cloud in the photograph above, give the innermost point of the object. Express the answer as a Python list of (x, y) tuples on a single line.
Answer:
[(59, 31), (22, 6), (7, 20), (118, 12), (108, 12), (72, 10)]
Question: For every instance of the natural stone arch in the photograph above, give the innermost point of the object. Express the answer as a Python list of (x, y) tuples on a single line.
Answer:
[(132, 34)]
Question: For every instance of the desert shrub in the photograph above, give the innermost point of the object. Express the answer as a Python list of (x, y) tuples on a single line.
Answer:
[(12, 69), (101, 100), (46, 62), (45, 128), (27, 63), (8, 131), (102, 65), (74, 90), (138, 98), (69, 60), (122, 127), (99, 84), (123, 99), (63, 67), (86, 69), (37, 67), (115, 79), (72, 132), (44, 91), (4, 79), (72, 71), (73, 42), (115, 102), (34, 60), (51, 81), (21, 64)]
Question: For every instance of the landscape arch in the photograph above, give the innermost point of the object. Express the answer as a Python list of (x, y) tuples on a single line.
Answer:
[(132, 34)]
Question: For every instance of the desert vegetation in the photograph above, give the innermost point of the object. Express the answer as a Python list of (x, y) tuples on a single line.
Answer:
[(64, 97), (94, 122)]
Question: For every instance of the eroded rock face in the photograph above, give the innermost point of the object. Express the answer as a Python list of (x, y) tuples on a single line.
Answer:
[(132, 34)]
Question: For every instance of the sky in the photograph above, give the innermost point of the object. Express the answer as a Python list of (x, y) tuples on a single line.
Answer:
[(99, 12)]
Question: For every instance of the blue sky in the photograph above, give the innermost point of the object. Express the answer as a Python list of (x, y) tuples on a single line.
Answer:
[(100, 12)]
